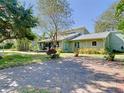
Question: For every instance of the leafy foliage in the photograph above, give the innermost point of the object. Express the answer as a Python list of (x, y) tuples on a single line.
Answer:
[(110, 54), (119, 12), (26, 45), (15, 21), (53, 53), (107, 21), (55, 16), (7, 46), (23, 44), (120, 8), (76, 53), (91, 51)]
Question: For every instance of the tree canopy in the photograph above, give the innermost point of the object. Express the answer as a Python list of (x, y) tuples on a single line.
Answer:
[(107, 21), (119, 12), (120, 8), (55, 15), (15, 21)]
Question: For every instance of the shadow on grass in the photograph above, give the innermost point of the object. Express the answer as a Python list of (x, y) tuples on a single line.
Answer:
[(13, 60)]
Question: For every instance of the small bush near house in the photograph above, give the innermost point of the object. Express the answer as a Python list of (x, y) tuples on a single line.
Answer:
[(52, 53), (91, 51), (110, 55), (76, 53), (59, 50), (102, 51)]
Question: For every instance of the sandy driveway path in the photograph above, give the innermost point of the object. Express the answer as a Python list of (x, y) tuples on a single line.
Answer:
[(70, 75)]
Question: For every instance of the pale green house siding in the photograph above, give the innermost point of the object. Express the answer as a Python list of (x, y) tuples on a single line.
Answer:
[(87, 44), (111, 40), (65, 45), (116, 41)]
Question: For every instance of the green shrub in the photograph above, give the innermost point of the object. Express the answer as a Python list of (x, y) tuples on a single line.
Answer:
[(91, 51), (53, 53), (34, 46), (23, 44), (110, 55), (59, 50), (76, 52), (7, 46), (102, 51)]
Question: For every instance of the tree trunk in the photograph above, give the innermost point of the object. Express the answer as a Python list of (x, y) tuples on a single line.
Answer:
[(56, 39)]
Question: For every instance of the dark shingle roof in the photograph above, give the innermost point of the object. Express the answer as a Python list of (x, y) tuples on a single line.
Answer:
[(92, 36), (63, 37)]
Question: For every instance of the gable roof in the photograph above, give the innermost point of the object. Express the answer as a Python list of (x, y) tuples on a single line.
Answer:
[(82, 30), (63, 37), (69, 37), (92, 36)]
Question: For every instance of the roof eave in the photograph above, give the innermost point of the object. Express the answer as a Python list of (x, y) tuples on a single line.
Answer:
[(89, 39)]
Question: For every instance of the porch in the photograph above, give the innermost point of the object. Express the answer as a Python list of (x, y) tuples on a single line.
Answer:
[(47, 45)]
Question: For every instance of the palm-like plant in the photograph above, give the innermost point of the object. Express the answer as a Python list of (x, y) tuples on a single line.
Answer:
[(15, 21)]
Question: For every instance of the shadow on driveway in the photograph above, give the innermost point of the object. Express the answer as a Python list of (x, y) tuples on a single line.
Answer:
[(70, 75)]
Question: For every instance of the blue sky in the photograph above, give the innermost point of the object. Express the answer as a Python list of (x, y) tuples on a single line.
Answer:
[(85, 12)]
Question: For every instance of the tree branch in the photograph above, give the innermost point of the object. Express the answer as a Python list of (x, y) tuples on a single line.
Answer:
[(5, 38)]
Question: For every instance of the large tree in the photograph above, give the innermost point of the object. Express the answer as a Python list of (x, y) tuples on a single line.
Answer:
[(15, 21), (55, 16), (107, 21), (119, 13)]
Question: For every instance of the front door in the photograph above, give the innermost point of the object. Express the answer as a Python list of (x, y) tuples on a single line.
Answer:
[(77, 45)]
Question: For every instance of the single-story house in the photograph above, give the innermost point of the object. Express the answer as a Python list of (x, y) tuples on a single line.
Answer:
[(83, 39)]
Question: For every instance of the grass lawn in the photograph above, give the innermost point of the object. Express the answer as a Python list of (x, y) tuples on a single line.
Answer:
[(16, 58), (117, 56), (12, 59), (89, 55)]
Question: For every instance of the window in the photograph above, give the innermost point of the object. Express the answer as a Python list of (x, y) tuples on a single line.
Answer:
[(122, 47), (94, 43), (77, 45), (57, 44)]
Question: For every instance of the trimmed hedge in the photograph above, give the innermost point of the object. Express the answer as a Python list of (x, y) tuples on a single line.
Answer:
[(91, 51)]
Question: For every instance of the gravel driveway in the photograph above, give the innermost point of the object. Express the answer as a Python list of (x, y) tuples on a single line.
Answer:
[(69, 75)]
